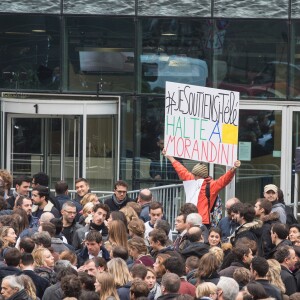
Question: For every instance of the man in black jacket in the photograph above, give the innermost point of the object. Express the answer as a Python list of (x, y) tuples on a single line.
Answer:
[(12, 258)]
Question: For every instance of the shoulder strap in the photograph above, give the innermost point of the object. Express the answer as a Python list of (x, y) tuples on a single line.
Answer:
[(207, 193)]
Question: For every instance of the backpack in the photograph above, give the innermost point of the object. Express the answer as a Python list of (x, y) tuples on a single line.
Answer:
[(290, 218), (215, 214)]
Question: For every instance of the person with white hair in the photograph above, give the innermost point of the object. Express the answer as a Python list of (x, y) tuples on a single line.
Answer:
[(228, 288), (195, 219), (12, 289)]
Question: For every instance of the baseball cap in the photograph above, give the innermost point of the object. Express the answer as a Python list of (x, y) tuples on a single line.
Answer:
[(270, 187)]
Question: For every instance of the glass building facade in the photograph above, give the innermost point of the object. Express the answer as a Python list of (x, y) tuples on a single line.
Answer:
[(129, 49)]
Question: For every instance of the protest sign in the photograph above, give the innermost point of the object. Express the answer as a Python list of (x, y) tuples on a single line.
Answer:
[(201, 123)]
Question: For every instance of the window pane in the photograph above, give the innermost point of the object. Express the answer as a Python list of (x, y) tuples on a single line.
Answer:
[(251, 57), (29, 53), (199, 8), (294, 85), (251, 9), (295, 11), (100, 54), (173, 50), (31, 6), (259, 151), (112, 7)]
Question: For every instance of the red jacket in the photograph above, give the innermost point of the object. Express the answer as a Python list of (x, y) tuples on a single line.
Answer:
[(215, 187)]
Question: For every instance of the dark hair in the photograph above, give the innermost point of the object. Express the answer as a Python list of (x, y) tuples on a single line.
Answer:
[(241, 250), (20, 200), (139, 288), (163, 225), (120, 251), (174, 265), (102, 206), (27, 259), (61, 187), (19, 180), (88, 295), (282, 253), (58, 223), (63, 271), (27, 244), (81, 179), (138, 271), (71, 286), (248, 212), (265, 204), (158, 235), (94, 236), (281, 230), (3, 203), (41, 178), (295, 226), (188, 208), (42, 190), (119, 215), (171, 282), (280, 196), (192, 262), (256, 290), (42, 238), (215, 229), (87, 281), (260, 265), (12, 257), (49, 227), (155, 205), (121, 183)]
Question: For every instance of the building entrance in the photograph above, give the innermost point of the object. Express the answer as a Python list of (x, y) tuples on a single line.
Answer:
[(65, 139)]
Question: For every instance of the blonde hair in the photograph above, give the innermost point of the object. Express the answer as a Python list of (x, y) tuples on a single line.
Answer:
[(3, 234), (218, 252), (38, 256), (28, 284), (118, 233), (7, 178), (205, 289), (137, 227), (129, 213), (118, 269), (88, 198), (273, 274), (108, 286), (139, 244)]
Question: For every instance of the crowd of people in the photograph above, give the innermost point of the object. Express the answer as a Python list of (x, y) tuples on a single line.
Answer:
[(53, 247)]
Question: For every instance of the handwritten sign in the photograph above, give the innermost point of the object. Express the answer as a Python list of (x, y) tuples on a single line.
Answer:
[(201, 123)]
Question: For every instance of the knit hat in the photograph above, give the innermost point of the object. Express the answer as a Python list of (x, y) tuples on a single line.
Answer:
[(200, 170), (271, 187)]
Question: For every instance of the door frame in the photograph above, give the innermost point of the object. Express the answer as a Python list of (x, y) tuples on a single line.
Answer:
[(35, 105)]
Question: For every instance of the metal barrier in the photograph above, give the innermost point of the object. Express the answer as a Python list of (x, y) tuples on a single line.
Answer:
[(171, 196)]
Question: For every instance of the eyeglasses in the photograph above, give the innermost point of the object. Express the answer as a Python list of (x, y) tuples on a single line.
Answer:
[(121, 192)]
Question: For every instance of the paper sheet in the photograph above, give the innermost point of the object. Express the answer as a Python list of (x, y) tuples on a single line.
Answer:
[(192, 190)]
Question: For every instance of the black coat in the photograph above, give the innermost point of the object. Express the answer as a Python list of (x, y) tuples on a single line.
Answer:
[(195, 249), (8, 270), (40, 283), (271, 289), (113, 206), (288, 280), (22, 295)]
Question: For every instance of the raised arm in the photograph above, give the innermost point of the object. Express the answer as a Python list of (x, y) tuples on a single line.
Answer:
[(169, 157)]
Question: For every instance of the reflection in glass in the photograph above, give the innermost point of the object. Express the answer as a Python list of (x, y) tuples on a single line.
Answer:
[(100, 54), (173, 50), (29, 52), (251, 57), (259, 151)]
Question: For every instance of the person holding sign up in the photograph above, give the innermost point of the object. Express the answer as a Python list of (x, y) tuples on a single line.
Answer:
[(200, 171)]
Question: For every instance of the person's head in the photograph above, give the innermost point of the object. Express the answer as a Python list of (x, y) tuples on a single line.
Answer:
[(61, 188), (93, 242), (8, 236), (159, 266), (139, 288), (279, 232), (243, 212), (26, 245), (228, 288), (163, 225), (243, 253), (129, 213), (193, 219), (87, 209), (208, 264), (63, 268), (24, 203), (42, 239), (188, 208), (206, 289), (12, 257), (170, 283), (194, 234), (157, 239), (47, 227), (145, 196), (120, 190), (100, 213), (218, 253), (40, 195), (40, 178), (118, 233), (105, 285), (262, 207), (137, 208), (156, 212), (295, 296), (46, 217), (136, 227), (119, 251), (294, 233), (117, 215), (119, 270), (136, 247), (271, 192), (87, 281), (286, 256), (10, 286), (71, 286), (138, 271), (81, 186), (259, 267), (70, 256), (242, 276), (200, 171), (89, 295), (68, 212), (95, 265), (26, 260), (214, 236), (174, 265), (273, 274), (22, 185), (180, 223), (256, 290), (89, 197), (191, 263), (28, 284), (150, 278), (160, 142), (43, 258), (7, 179)]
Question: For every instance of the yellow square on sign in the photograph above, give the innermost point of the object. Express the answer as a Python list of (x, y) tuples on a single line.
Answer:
[(229, 134)]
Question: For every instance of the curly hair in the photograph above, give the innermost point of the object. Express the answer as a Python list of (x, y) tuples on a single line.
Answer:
[(71, 286)]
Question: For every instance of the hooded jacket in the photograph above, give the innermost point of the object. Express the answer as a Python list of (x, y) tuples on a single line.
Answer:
[(215, 187), (280, 209)]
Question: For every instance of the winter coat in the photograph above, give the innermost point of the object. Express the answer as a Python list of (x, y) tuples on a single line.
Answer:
[(21, 295), (46, 273), (215, 187)]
